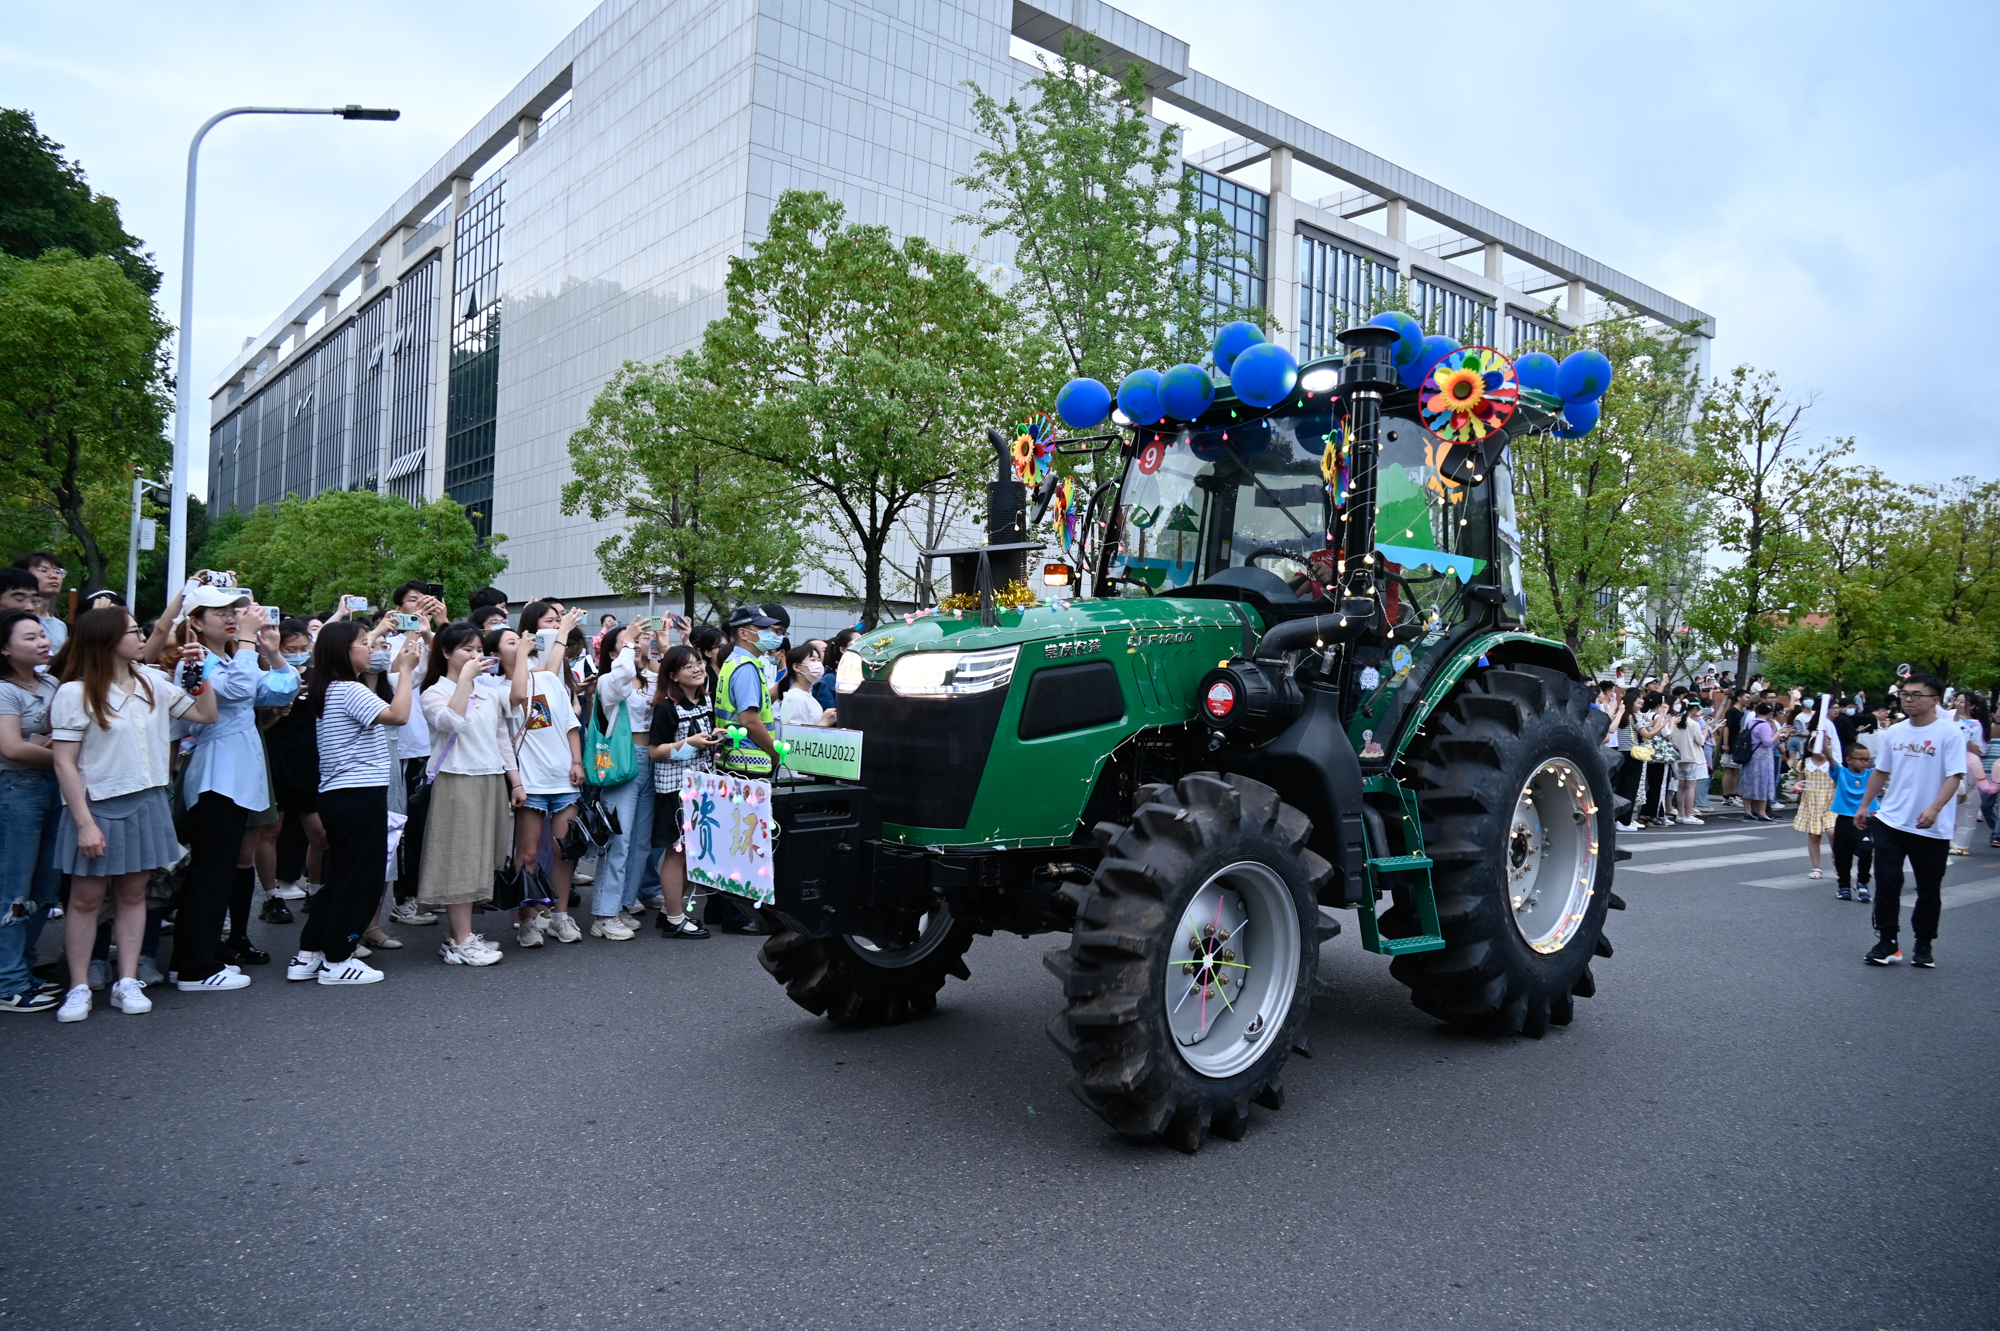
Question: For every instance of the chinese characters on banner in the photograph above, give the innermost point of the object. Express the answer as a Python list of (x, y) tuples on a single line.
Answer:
[(726, 833)]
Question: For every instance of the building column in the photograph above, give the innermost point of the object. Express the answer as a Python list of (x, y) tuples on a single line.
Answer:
[(1398, 220), (1574, 313), (1494, 255), (1281, 283), (442, 318)]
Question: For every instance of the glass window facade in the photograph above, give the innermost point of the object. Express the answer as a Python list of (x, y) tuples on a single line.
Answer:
[(410, 355), (1452, 312), (1249, 216), (1337, 285), (474, 389), (1525, 334), (371, 327)]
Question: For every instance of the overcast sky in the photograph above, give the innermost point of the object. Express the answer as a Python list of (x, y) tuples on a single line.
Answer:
[(1811, 175)]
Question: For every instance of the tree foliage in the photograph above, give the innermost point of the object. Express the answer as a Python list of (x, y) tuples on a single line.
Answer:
[(702, 520), (1617, 514), (1117, 262), (863, 369), (45, 204), (84, 393), (300, 554)]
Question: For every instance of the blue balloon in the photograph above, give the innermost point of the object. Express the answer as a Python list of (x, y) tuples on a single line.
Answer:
[(1083, 403), (1235, 339), (1264, 375), (1186, 391), (1583, 376), (1579, 419), (1436, 347), (1409, 334), (1139, 397), (1537, 370)]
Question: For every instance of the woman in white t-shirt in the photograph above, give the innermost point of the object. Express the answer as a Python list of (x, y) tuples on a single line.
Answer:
[(551, 761), (626, 879), (111, 723), (351, 724), (796, 704), (474, 788), (1975, 718)]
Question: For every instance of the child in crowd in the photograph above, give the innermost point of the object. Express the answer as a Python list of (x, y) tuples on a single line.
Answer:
[(1815, 815), (1851, 849)]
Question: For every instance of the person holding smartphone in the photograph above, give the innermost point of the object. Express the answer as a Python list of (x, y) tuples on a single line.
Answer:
[(683, 739), (416, 612), (551, 763), (475, 787), (225, 782), (350, 725), (626, 882)]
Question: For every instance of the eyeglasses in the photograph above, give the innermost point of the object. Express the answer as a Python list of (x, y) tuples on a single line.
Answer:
[(135, 630)]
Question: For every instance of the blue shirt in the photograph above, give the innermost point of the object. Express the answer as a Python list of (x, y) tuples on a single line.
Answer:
[(228, 756), (1847, 788)]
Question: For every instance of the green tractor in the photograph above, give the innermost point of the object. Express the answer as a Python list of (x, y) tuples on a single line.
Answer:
[(1301, 688)]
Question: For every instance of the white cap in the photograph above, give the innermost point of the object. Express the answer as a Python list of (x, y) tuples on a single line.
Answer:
[(212, 598)]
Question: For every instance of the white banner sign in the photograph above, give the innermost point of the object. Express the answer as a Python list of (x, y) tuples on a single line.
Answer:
[(726, 833)]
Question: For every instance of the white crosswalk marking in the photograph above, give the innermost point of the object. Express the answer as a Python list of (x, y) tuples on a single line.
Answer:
[(1963, 894), (1629, 842), (1717, 861)]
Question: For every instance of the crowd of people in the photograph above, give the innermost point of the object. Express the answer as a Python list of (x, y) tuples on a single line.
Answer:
[(373, 769), (1906, 778)]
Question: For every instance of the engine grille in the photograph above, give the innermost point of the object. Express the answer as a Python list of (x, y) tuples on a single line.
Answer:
[(922, 758)]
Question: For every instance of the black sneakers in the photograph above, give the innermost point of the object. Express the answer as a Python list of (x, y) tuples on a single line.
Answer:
[(275, 912), (1884, 953), (1922, 960)]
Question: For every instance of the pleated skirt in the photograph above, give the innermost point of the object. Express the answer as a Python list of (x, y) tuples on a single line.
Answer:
[(138, 836), (467, 835)]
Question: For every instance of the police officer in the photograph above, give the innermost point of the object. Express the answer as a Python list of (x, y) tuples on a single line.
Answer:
[(743, 700)]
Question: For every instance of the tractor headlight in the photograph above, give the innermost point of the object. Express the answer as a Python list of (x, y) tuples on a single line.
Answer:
[(847, 675), (940, 674)]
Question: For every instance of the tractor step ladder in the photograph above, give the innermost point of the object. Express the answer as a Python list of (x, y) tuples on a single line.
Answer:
[(1417, 885)]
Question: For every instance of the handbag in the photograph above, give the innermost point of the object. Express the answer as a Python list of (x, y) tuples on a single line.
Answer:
[(1642, 753), (508, 888), (609, 760)]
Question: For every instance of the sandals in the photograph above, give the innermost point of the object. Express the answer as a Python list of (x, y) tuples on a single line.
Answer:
[(1815, 875)]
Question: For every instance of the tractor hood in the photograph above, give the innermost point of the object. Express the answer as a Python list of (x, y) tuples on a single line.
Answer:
[(1115, 625)]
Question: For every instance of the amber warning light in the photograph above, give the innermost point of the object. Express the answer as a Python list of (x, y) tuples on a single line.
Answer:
[(1056, 575)]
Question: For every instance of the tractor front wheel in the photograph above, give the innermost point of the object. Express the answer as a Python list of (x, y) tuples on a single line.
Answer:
[(855, 981), (1191, 966)]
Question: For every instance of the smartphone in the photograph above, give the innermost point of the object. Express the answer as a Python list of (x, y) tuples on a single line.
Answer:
[(545, 641), (492, 666), (409, 623), (272, 615), (210, 577), (435, 590), (356, 605)]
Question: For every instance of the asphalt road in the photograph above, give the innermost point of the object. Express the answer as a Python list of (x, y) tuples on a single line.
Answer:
[(1745, 1128)]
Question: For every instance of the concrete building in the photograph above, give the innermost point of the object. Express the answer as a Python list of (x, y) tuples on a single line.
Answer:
[(588, 219)]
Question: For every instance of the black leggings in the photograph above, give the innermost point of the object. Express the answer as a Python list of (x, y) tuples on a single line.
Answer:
[(356, 862), (215, 840), (1656, 790), (1850, 849)]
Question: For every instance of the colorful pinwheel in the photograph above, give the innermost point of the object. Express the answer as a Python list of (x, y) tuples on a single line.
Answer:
[(1468, 395)]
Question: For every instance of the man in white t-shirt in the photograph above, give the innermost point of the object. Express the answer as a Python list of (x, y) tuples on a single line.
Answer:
[(1922, 762)]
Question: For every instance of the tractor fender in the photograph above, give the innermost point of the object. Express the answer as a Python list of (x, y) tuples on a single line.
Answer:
[(1311, 764)]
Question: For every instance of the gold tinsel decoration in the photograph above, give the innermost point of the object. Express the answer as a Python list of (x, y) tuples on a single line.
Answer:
[(1014, 596)]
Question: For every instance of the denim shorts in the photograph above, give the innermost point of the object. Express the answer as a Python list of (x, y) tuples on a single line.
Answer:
[(553, 803)]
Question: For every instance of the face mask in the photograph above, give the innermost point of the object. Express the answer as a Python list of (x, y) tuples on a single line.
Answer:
[(297, 659), (683, 753), (767, 641), (813, 670)]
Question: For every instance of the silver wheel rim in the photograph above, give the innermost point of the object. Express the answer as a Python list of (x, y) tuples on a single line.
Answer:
[(932, 927), (1232, 967), (1551, 857)]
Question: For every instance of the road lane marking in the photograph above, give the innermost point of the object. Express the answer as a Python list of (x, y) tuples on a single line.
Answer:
[(1678, 842), (1964, 894), (1716, 861)]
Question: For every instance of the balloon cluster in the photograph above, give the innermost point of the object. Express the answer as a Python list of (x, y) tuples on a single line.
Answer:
[(1575, 383), (1262, 373)]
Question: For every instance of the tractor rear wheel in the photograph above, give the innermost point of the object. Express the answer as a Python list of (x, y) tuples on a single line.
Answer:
[(1517, 815), (1191, 966), (856, 982)]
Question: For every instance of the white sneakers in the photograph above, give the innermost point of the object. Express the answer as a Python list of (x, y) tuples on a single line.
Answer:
[(351, 971), (76, 1004), (564, 928), (528, 933), (226, 978), (292, 891), (129, 997), (612, 928), (1692, 822), (473, 951), (409, 912), (305, 966)]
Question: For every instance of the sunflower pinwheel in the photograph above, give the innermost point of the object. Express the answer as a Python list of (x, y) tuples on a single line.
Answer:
[(1468, 395)]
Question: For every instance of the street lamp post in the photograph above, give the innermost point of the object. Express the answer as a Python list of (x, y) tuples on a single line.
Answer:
[(183, 369), (139, 487)]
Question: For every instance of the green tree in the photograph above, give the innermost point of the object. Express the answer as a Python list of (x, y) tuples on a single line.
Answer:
[(702, 520), (299, 554), (1618, 510), (46, 205), (1763, 474), (1862, 526), (84, 393), (1952, 606), (865, 371), (1117, 262)]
